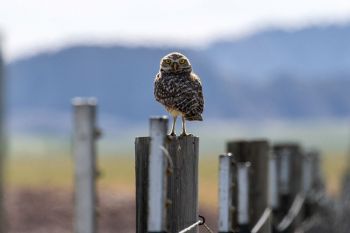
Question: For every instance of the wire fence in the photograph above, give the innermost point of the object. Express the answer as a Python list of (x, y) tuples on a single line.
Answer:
[(200, 222), (263, 219), (292, 213)]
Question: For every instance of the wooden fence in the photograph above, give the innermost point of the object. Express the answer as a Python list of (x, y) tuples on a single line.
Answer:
[(263, 188)]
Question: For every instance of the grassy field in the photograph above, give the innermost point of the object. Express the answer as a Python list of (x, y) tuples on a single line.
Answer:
[(117, 173)]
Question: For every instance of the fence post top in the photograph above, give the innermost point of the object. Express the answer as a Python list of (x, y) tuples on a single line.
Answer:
[(286, 145), (158, 118), (312, 153), (226, 155), (260, 140), (84, 101), (244, 165)]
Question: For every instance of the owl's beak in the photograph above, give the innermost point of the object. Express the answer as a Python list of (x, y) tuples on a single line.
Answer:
[(175, 66)]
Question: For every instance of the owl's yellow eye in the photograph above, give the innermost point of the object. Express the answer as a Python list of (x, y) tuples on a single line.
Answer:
[(167, 61), (182, 61)]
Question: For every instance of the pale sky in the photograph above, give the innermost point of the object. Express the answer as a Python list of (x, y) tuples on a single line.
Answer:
[(32, 25)]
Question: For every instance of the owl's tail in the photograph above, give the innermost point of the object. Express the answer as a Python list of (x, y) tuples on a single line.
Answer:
[(194, 117)]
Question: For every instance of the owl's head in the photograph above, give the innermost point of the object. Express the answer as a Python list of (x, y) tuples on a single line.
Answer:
[(175, 63)]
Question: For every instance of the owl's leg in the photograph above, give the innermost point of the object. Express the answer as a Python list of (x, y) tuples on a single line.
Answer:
[(184, 133), (172, 133)]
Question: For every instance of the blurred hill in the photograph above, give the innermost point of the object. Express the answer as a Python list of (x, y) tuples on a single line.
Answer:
[(271, 74)]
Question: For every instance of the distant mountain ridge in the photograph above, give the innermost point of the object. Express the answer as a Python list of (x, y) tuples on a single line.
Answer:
[(310, 53), (272, 74)]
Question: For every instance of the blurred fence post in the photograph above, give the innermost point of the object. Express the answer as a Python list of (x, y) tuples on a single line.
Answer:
[(257, 153), (273, 183), (243, 199), (308, 179), (181, 206), (226, 176), (84, 150), (2, 141), (289, 169), (318, 182)]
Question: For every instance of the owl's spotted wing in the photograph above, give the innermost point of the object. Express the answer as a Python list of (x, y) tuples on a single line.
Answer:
[(192, 102), (165, 90)]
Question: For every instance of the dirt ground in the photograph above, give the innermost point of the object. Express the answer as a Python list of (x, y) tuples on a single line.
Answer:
[(47, 210)]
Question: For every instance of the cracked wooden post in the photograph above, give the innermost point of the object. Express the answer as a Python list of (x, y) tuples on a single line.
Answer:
[(255, 152), (181, 206), (84, 151)]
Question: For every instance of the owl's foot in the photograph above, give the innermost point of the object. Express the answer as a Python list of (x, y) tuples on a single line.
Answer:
[(173, 134), (184, 134)]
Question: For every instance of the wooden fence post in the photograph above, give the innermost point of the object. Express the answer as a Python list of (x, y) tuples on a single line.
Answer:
[(85, 164), (289, 166), (306, 173), (157, 176), (318, 183), (243, 200), (273, 183), (142, 145), (257, 153), (308, 179), (181, 154), (226, 177), (2, 141)]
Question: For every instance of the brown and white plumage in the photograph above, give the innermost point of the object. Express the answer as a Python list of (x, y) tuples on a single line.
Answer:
[(179, 89)]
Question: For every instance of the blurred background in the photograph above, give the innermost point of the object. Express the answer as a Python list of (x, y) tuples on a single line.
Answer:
[(270, 69)]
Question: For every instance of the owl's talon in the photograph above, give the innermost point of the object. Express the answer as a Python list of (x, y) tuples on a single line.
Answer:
[(172, 134), (186, 134)]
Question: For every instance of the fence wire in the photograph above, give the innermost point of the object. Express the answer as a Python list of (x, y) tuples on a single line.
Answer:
[(264, 217), (191, 227), (199, 222), (307, 225), (292, 213)]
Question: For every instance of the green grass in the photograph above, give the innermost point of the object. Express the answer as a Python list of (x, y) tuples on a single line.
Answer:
[(334, 167), (59, 171), (117, 173)]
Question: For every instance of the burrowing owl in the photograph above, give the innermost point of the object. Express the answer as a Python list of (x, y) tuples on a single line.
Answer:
[(179, 89)]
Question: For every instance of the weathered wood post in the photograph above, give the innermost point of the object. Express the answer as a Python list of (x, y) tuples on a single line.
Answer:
[(289, 170), (273, 183), (181, 154), (142, 145), (157, 190), (243, 201), (2, 140), (318, 182), (84, 151), (274, 201), (257, 153), (226, 182), (317, 185), (307, 178)]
